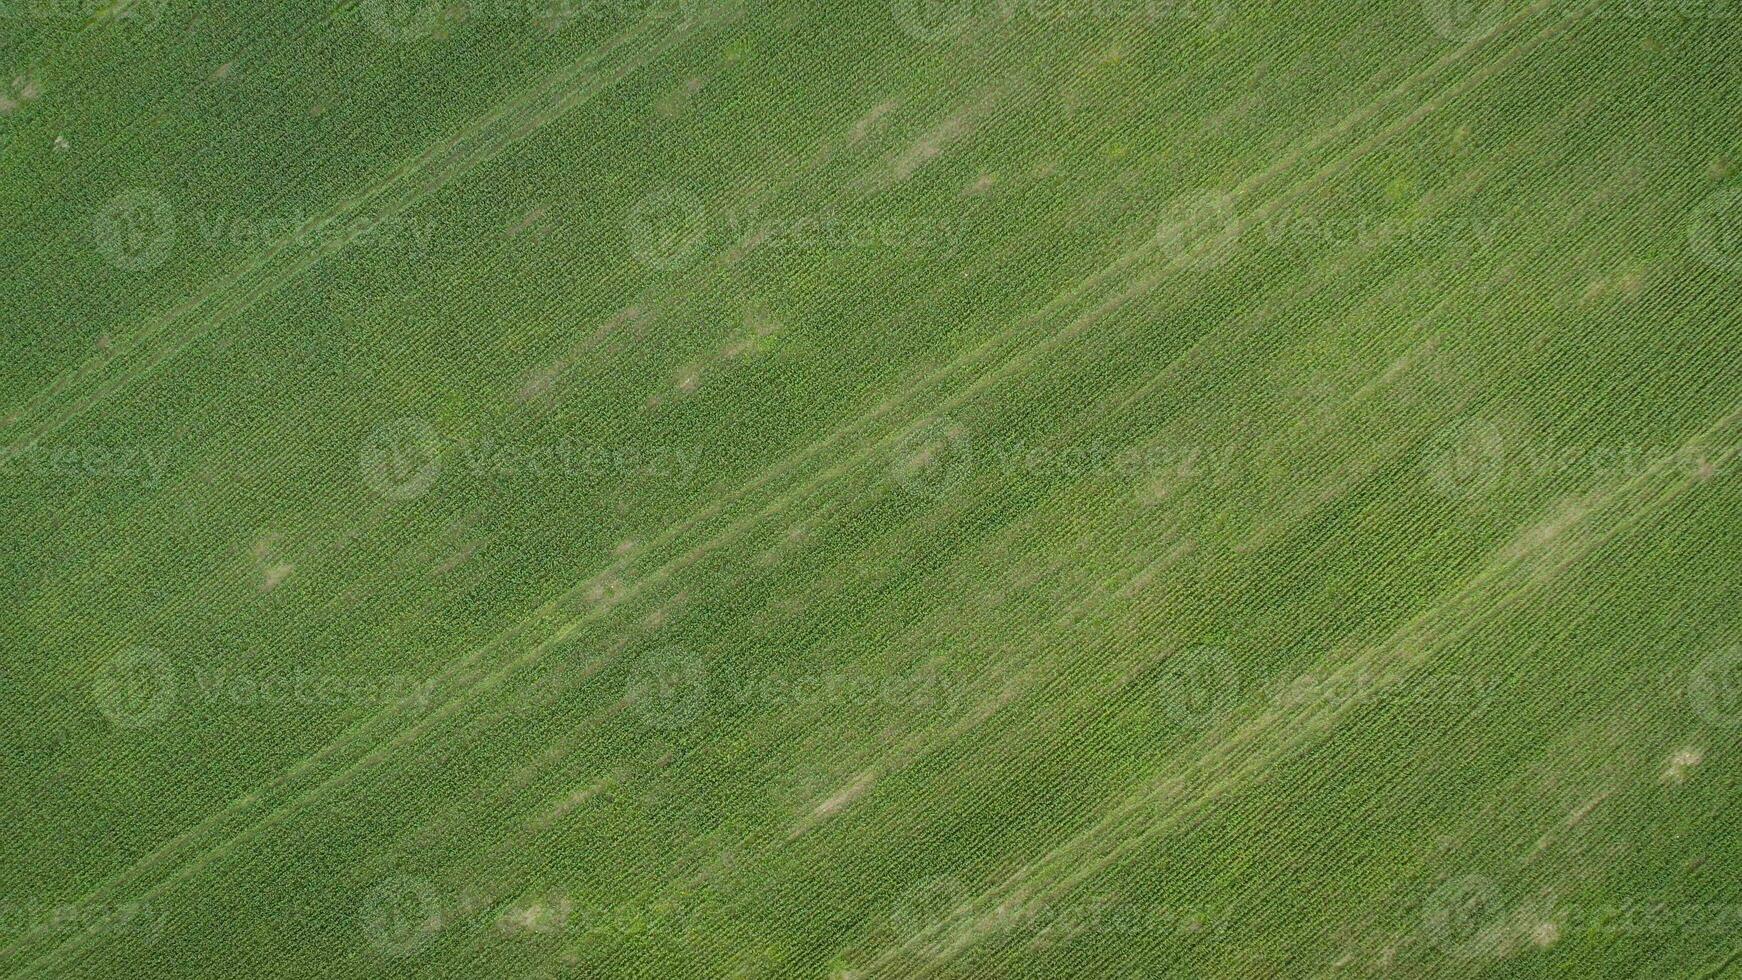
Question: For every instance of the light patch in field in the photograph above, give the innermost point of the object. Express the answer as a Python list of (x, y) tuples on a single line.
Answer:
[(1584, 810), (274, 575), (1544, 934), (870, 121), (22, 89), (1624, 285), (981, 186), (527, 220), (1676, 773), (543, 917), (836, 802), (935, 141), (224, 70), (689, 380), (1538, 539)]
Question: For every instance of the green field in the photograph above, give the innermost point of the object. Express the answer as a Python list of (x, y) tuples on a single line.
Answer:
[(943, 488)]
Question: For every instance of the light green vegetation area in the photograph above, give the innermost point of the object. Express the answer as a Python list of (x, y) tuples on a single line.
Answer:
[(1176, 489)]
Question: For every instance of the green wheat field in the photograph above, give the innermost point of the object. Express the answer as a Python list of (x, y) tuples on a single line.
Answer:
[(945, 488)]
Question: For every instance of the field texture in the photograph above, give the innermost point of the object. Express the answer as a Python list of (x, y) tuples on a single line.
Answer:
[(988, 488)]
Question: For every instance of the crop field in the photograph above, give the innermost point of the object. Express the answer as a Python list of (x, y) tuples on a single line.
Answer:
[(943, 488)]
